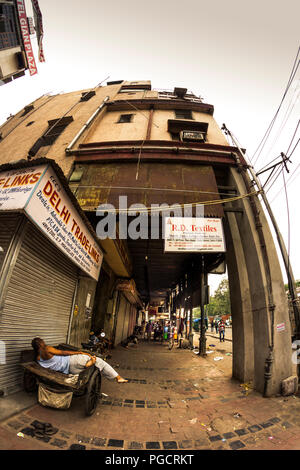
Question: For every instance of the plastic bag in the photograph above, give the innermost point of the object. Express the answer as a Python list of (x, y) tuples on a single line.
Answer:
[(60, 399)]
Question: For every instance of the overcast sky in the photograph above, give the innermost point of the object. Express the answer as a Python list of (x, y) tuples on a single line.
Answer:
[(237, 55)]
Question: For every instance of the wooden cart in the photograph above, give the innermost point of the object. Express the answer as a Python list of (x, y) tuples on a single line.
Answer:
[(87, 383)]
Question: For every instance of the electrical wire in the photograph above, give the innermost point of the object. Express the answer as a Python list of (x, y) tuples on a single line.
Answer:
[(288, 112), (271, 183), (293, 137), (139, 188), (270, 178), (269, 129), (140, 111), (259, 171), (291, 179), (288, 217), (294, 148), (192, 204)]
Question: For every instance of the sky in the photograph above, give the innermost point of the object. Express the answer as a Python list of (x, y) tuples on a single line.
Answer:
[(236, 55)]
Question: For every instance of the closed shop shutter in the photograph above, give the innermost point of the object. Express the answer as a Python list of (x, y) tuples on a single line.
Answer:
[(8, 225), (120, 320), (126, 321), (37, 303)]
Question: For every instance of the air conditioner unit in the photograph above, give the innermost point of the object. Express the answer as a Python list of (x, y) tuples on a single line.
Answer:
[(194, 136)]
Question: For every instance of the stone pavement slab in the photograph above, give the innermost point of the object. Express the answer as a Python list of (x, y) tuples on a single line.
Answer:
[(174, 400)]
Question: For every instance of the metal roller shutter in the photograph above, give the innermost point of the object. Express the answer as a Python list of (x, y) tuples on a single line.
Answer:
[(126, 321), (38, 302), (8, 225), (120, 320)]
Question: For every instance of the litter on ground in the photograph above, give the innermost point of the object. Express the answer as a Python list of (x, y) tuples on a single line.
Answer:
[(193, 421), (218, 358)]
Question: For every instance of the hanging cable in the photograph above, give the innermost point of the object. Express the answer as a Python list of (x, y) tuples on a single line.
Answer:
[(288, 215), (269, 129), (291, 179), (275, 178), (288, 112), (183, 205)]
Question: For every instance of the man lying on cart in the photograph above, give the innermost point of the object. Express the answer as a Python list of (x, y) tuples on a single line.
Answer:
[(71, 362)]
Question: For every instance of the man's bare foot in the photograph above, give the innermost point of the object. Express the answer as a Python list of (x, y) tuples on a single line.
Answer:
[(120, 380)]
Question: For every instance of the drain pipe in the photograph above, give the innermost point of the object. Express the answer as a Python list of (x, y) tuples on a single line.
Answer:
[(86, 125)]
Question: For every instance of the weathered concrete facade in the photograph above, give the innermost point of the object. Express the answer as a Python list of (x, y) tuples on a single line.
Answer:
[(126, 139)]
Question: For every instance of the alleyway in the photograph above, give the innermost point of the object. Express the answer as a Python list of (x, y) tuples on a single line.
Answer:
[(174, 400)]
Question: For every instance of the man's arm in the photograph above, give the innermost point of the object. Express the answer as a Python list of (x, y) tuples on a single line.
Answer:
[(59, 352)]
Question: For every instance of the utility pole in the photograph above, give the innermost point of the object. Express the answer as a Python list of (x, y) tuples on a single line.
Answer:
[(286, 260)]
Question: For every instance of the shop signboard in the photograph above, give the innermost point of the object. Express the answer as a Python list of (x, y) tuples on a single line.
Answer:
[(17, 185), (194, 234), (38, 192)]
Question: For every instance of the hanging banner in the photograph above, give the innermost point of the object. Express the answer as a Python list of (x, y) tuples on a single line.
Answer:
[(38, 20), (26, 37), (194, 234)]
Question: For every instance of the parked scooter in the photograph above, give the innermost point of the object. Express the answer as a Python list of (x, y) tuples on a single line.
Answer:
[(98, 344)]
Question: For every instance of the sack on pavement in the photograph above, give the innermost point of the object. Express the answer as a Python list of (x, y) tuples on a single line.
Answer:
[(48, 396)]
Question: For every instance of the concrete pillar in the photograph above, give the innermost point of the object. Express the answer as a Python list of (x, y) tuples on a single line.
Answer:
[(240, 299), (250, 296)]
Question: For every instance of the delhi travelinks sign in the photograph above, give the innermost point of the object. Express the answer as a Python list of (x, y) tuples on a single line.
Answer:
[(38, 192)]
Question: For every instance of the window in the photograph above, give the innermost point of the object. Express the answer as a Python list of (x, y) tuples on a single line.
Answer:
[(8, 34), (175, 136), (27, 110), (87, 95), (131, 90), (55, 128), (187, 130), (76, 175), (125, 118), (183, 114)]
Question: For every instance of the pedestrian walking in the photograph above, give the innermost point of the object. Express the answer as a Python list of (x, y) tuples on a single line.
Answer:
[(212, 324), (149, 330), (216, 325), (143, 329), (222, 330)]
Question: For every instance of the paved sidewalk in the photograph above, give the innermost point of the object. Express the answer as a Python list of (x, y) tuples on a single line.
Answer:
[(174, 400)]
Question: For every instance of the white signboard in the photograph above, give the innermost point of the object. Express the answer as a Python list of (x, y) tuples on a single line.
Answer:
[(38, 192), (17, 185), (280, 327), (194, 234), (51, 210)]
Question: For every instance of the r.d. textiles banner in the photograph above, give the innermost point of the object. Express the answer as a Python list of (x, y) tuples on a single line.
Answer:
[(194, 234), (38, 192)]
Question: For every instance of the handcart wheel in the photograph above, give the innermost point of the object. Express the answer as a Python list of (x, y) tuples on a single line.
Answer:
[(29, 381), (93, 393)]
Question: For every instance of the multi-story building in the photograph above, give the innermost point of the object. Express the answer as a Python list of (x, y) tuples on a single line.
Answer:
[(16, 53), (155, 147)]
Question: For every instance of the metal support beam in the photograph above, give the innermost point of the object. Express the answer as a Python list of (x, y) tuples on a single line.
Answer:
[(202, 339)]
